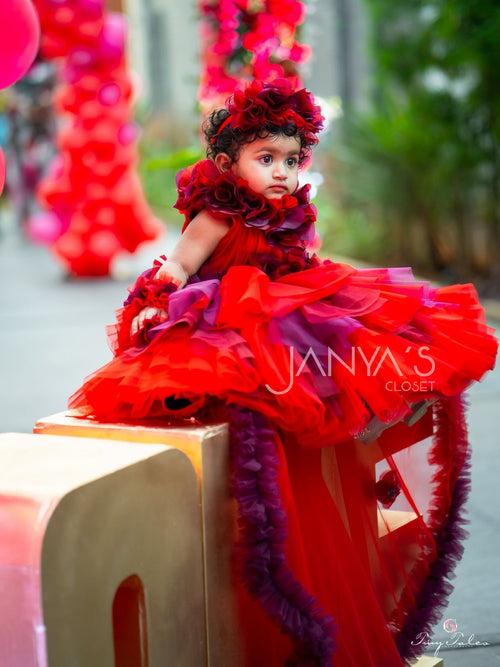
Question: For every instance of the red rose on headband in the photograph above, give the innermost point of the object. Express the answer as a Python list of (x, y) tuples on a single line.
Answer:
[(274, 102)]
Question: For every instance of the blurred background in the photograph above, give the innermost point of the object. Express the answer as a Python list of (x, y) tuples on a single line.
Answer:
[(407, 173), (409, 168), (411, 165)]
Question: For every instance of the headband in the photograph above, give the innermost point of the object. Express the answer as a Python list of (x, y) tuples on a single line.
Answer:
[(272, 102)]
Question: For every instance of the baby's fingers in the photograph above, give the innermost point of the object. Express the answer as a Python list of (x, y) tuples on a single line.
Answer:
[(135, 325), (138, 321), (147, 314)]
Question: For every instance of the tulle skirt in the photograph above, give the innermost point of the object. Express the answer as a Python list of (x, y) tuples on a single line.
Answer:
[(372, 529), (321, 352), (380, 571)]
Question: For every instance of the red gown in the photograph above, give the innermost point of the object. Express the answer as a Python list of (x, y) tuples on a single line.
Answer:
[(351, 539)]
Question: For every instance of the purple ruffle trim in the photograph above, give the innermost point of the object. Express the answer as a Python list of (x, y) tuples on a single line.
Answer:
[(263, 531), (433, 597)]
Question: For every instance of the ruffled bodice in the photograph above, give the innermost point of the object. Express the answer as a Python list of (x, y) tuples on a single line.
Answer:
[(277, 235), (250, 246)]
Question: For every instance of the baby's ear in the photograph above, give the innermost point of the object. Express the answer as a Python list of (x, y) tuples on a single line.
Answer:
[(222, 162)]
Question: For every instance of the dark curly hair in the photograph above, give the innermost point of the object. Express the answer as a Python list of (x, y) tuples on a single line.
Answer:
[(230, 140)]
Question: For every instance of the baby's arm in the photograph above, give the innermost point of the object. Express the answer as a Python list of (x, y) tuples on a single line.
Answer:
[(195, 246), (197, 243)]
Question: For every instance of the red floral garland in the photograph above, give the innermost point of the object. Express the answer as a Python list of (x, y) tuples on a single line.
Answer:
[(246, 40)]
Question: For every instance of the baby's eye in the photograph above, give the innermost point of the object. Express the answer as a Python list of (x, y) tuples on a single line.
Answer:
[(267, 159)]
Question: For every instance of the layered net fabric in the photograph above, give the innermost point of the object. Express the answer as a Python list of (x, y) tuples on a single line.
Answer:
[(334, 572), (241, 337), (346, 548)]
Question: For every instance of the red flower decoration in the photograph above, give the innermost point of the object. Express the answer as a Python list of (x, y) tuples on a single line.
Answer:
[(273, 102), (387, 488)]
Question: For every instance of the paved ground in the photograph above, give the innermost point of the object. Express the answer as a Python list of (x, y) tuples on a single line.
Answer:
[(52, 335)]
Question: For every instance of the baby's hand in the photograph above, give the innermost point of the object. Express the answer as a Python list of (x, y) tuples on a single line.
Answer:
[(174, 275), (147, 315)]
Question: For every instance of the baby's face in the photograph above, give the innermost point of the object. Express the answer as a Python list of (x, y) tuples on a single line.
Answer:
[(270, 165)]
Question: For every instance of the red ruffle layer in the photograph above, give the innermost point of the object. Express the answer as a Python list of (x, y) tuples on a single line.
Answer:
[(318, 351)]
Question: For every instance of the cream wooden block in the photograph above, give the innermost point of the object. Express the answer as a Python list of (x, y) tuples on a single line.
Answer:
[(78, 518), (207, 448), (428, 661)]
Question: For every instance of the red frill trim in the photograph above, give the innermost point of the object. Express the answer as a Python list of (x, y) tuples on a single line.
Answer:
[(225, 195), (145, 292)]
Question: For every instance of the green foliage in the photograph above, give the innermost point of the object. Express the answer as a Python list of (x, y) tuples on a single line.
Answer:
[(424, 162), (158, 167), (348, 232), (173, 160)]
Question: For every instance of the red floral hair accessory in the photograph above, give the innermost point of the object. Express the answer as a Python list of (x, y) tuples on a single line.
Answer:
[(273, 102)]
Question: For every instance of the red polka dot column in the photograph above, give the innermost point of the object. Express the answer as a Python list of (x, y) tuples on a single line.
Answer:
[(92, 193)]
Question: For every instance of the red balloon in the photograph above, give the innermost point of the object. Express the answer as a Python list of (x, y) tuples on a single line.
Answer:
[(91, 6), (2, 171), (19, 39), (70, 246), (93, 192), (103, 244)]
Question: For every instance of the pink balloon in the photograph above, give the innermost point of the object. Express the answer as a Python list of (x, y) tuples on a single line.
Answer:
[(44, 228), (2, 171), (19, 39), (112, 38), (56, 168), (128, 133), (109, 94)]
